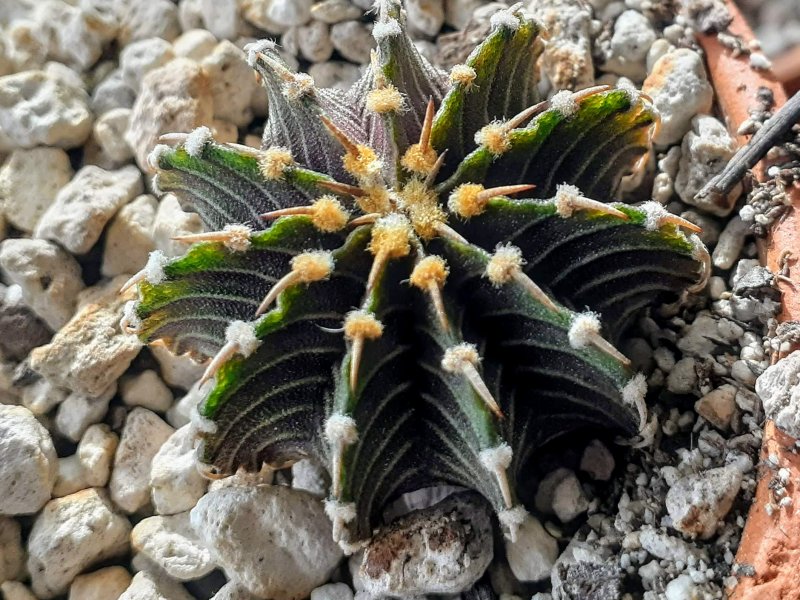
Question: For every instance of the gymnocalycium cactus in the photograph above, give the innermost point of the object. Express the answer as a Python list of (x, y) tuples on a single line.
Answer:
[(374, 299)]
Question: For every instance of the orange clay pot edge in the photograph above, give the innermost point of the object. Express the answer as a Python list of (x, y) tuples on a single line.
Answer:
[(770, 544)]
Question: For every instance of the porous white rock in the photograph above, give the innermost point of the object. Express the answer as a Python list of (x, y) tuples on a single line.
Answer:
[(437, 550), (696, 503), (680, 90), (171, 221), (256, 12), (141, 20), (49, 277), (730, 243), (148, 585), (112, 92), (78, 412), (90, 466), (140, 57), (175, 483), (425, 17), (29, 182), (174, 98), (170, 543), (335, 11), (681, 588), (289, 13), (12, 555), (533, 553), (666, 547), (718, 406), (109, 132), (567, 59), (314, 41), (146, 389), (84, 206), (311, 477), (41, 397), (332, 591), (177, 371), (129, 237), (627, 53), (104, 584), (142, 436), (779, 390), (560, 493), (222, 18), (705, 151), (245, 529), (353, 40), (597, 461), (39, 109), (180, 413), (90, 352), (195, 44), (70, 535), (683, 377), (29, 466), (232, 83)]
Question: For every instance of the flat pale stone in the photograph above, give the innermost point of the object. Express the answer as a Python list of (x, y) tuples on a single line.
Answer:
[(70, 535), (103, 584), (175, 483), (29, 462), (142, 436), (91, 351), (170, 543)]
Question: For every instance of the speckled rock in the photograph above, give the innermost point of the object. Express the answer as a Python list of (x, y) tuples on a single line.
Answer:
[(438, 550), (149, 585), (533, 553), (29, 466), (70, 535), (696, 503), (353, 40), (142, 436), (129, 237), (779, 390), (680, 90), (244, 527), (90, 352), (29, 182), (39, 109), (173, 98), (84, 206), (90, 466), (175, 483), (170, 543), (78, 412), (103, 584), (232, 83), (140, 20)]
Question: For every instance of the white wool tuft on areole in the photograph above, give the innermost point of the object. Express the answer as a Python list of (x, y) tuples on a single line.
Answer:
[(341, 429), (584, 327), (497, 458), (342, 511), (155, 155), (565, 199), (154, 269), (511, 519), (196, 140), (242, 334), (130, 320), (504, 18), (633, 394), (385, 29), (253, 48), (654, 212), (564, 102), (202, 424)]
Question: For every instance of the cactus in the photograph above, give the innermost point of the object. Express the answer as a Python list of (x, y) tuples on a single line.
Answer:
[(409, 282)]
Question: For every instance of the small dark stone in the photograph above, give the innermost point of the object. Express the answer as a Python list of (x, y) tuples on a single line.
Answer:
[(22, 330)]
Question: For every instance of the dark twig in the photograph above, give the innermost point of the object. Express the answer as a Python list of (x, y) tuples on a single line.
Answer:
[(771, 133)]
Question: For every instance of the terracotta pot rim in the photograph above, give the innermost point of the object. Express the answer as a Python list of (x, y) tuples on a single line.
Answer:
[(765, 545)]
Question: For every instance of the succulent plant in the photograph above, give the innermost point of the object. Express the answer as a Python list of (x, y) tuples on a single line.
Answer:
[(371, 295)]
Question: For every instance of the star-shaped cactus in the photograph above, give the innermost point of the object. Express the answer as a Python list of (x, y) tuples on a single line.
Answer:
[(409, 282)]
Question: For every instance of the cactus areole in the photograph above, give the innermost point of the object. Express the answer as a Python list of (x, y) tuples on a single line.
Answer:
[(418, 281)]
